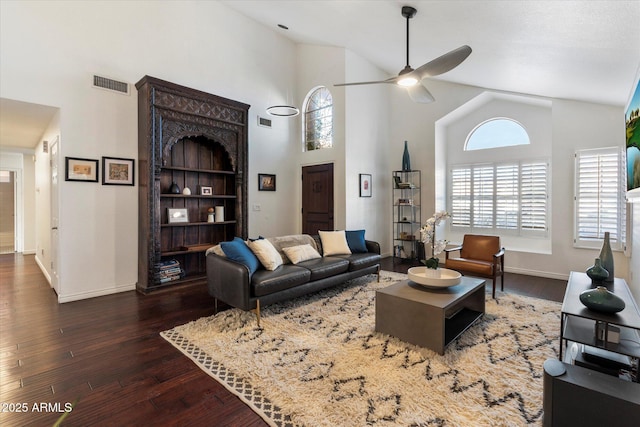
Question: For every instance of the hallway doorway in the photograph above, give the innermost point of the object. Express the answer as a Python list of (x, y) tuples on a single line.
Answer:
[(7, 211)]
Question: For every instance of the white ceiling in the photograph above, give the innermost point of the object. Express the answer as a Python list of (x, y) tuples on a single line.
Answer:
[(583, 50)]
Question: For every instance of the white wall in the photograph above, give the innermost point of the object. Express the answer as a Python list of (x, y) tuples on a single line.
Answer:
[(49, 56)]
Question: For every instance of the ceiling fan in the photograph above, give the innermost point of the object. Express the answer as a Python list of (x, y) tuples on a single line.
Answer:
[(412, 79)]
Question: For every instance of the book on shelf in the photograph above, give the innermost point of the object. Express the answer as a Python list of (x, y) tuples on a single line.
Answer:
[(168, 271)]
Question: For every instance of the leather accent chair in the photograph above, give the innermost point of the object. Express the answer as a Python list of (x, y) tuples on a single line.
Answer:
[(479, 256)]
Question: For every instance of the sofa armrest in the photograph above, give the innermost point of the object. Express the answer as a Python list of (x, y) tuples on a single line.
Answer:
[(229, 281), (372, 246)]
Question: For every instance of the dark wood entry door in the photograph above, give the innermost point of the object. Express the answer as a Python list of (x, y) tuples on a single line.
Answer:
[(317, 198)]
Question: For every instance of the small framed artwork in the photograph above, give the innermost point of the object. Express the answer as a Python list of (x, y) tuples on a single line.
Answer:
[(177, 215), (206, 191), (365, 185), (77, 169), (117, 171), (266, 182)]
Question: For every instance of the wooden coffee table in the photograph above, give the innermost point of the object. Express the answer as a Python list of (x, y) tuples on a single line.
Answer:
[(430, 318)]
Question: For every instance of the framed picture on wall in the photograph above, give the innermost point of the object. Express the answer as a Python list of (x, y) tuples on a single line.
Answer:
[(365, 185), (117, 171), (77, 169), (266, 182)]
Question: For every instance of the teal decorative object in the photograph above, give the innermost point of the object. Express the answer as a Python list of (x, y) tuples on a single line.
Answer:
[(602, 300), (597, 273), (606, 256), (406, 159)]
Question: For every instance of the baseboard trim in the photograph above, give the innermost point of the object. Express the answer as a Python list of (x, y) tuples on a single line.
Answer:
[(44, 270), (537, 273), (96, 293)]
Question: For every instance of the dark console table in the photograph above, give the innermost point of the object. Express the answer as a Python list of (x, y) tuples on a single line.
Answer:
[(575, 395)]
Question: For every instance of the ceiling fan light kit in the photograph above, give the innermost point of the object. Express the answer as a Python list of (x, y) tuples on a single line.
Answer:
[(412, 79)]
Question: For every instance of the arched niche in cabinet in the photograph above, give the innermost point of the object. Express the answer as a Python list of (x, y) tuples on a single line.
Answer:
[(195, 140)]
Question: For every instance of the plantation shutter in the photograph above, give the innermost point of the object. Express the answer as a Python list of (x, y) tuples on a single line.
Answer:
[(599, 202), (533, 196), (461, 197), (482, 197), (500, 198), (507, 197)]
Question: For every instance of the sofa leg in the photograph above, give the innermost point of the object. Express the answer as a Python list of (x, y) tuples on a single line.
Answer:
[(257, 311), (378, 273), (494, 288), (215, 306)]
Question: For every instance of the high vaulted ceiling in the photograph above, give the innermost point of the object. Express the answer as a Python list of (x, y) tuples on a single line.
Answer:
[(586, 50), (582, 50)]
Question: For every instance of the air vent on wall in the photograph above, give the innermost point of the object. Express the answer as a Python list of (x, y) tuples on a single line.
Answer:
[(264, 122), (110, 84)]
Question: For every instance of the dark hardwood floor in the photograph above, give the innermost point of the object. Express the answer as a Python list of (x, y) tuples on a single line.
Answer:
[(107, 353)]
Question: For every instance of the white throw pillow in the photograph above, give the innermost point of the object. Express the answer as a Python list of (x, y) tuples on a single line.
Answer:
[(266, 253), (301, 253), (334, 243)]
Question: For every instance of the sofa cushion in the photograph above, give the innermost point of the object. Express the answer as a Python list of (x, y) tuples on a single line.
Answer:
[(361, 261), (301, 253), (334, 243), (325, 267), (265, 282), (266, 253), (282, 242), (355, 240), (238, 250)]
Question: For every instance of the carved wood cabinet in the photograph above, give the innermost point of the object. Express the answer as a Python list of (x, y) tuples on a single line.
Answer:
[(187, 139)]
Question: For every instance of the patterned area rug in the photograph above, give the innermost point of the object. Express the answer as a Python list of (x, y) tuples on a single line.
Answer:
[(317, 361)]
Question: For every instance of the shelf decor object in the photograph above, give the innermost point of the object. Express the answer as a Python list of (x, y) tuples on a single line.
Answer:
[(597, 273), (602, 300), (606, 256), (406, 159), (188, 139)]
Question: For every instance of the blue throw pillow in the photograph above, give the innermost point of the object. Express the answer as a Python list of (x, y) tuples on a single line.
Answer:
[(355, 240), (238, 250)]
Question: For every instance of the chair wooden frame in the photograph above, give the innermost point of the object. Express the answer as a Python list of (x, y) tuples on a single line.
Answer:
[(498, 268)]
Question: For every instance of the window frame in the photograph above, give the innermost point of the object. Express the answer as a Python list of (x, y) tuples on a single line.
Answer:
[(320, 115), (491, 120), (605, 172)]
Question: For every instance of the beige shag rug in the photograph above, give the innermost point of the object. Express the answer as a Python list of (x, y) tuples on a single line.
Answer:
[(317, 361)]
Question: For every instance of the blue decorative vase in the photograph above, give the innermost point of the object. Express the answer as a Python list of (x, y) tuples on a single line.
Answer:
[(602, 300), (606, 256), (406, 160), (597, 273)]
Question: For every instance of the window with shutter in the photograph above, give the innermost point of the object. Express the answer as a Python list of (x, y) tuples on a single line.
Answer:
[(505, 198), (599, 197)]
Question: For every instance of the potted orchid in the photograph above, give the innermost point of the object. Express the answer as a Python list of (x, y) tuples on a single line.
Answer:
[(428, 235)]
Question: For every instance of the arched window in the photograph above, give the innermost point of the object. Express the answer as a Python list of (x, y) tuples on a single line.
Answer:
[(318, 119), (496, 133)]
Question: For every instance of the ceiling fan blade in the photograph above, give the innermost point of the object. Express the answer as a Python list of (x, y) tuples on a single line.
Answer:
[(389, 80), (444, 63), (420, 94)]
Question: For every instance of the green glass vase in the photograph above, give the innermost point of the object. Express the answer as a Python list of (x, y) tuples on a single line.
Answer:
[(597, 273), (602, 300)]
